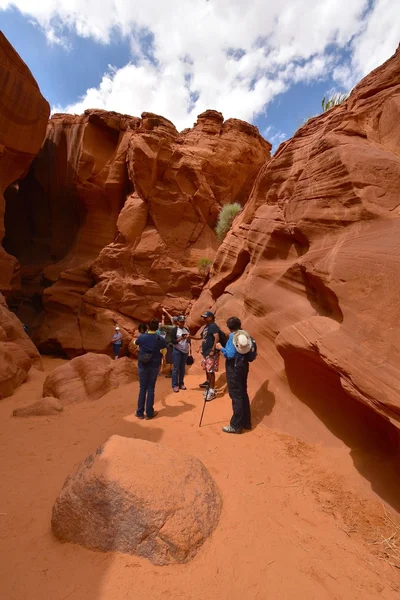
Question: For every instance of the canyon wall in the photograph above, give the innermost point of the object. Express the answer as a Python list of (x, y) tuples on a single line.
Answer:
[(119, 210), (23, 118), (312, 264)]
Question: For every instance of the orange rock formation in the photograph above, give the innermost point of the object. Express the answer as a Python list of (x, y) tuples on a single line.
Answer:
[(120, 210), (23, 118), (312, 263)]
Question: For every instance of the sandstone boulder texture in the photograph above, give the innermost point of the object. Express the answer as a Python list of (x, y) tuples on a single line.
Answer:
[(45, 407), (312, 263), (137, 497), (23, 119), (120, 210), (88, 377)]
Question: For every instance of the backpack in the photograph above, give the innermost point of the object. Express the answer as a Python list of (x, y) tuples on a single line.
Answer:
[(241, 359), (146, 357), (223, 338), (252, 355)]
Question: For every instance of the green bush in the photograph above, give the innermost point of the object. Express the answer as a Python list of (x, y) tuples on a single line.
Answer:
[(225, 219), (335, 100), (204, 265)]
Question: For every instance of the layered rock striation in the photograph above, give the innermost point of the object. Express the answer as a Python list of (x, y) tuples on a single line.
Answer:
[(312, 263), (119, 211), (24, 115)]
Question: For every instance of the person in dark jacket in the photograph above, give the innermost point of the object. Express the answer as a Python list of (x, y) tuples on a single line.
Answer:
[(151, 346), (237, 371)]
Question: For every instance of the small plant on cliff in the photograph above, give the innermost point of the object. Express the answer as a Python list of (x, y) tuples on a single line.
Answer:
[(335, 100), (204, 266), (225, 219)]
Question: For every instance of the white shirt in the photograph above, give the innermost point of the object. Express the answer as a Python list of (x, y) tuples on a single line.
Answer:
[(182, 345)]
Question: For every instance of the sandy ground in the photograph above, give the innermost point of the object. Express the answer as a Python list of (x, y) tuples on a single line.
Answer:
[(298, 521)]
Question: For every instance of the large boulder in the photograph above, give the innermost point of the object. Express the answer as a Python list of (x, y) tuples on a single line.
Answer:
[(88, 377), (140, 498), (14, 368), (313, 260)]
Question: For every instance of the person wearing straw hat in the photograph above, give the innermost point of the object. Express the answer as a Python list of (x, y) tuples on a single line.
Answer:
[(239, 351)]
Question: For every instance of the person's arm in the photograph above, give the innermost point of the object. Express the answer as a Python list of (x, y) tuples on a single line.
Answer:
[(216, 340), (229, 351), (165, 312)]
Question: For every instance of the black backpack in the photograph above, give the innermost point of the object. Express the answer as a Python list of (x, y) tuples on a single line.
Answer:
[(223, 338), (242, 359)]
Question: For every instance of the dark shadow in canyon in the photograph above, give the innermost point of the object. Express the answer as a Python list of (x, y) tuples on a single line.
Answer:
[(373, 441), (262, 404)]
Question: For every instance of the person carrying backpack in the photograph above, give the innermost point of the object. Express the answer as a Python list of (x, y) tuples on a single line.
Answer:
[(239, 351), (151, 346)]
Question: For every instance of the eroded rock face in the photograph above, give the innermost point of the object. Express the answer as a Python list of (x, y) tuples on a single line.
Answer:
[(311, 265), (141, 498), (88, 377), (23, 120), (121, 210)]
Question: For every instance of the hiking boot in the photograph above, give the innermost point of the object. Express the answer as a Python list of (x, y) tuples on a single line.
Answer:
[(175, 389), (139, 416), (148, 417), (204, 384), (182, 387), (229, 429)]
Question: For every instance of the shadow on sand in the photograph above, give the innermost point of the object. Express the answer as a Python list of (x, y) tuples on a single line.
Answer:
[(373, 441)]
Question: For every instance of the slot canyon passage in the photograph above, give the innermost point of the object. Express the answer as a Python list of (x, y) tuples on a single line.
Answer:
[(104, 218)]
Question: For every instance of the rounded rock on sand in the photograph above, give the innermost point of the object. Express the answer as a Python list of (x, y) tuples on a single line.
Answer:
[(141, 498)]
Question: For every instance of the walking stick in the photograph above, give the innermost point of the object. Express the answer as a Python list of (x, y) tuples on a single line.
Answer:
[(205, 402)]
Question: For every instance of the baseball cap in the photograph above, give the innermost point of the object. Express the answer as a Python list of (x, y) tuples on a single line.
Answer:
[(208, 313), (181, 318), (117, 328)]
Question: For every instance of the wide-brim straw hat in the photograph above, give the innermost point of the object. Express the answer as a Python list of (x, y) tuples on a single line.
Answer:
[(242, 341)]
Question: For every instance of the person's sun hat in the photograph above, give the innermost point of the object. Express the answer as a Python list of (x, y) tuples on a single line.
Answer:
[(242, 342), (116, 328), (206, 314)]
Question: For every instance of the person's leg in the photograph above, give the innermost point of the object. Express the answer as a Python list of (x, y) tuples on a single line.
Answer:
[(182, 367), (152, 378), (143, 378), (175, 372), (235, 389), (246, 403), (116, 349)]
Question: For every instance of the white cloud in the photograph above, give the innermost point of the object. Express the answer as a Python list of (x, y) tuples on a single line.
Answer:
[(231, 55), (273, 135)]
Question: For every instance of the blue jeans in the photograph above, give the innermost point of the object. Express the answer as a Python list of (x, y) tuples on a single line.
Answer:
[(116, 348), (147, 383), (179, 361)]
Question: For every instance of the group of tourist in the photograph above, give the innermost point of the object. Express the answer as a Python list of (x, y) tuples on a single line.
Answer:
[(171, 344)]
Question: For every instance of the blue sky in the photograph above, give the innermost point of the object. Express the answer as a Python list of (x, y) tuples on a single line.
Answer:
[(270, 66)]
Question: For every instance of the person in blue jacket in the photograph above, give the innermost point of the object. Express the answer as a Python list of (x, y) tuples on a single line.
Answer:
[(237, 348), (151, 347)]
